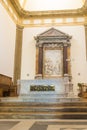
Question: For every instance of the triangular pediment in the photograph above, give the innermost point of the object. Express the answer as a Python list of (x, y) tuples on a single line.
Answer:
[(52, 36), (52, 32)]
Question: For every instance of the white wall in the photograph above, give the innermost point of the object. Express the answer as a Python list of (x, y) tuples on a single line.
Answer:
[(29, 52), (78, 57), (78, 54), (7, 43)]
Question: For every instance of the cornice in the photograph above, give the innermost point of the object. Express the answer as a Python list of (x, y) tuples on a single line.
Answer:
[(16, 6), (23, 14), (25, 18)]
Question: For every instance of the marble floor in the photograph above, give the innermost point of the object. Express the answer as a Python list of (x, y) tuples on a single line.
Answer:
[(17, 124)]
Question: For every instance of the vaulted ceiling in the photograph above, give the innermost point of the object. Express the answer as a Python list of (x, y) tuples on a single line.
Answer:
[(36, 12)]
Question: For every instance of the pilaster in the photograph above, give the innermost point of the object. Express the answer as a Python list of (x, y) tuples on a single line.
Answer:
[(18, 53)]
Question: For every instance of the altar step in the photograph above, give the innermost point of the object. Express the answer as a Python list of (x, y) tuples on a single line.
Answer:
[(45, 98), (25, 110), (43, 109)]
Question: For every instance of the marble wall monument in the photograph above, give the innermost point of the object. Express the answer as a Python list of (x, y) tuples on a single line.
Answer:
[(52, 54)]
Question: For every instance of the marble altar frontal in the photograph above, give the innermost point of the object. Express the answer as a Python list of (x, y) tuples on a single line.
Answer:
[(24, 85)]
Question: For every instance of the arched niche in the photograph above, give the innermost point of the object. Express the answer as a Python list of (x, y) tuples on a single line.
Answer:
[(52, 54)]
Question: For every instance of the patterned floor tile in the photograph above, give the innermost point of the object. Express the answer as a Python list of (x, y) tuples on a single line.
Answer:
[(59, 125), (6, 125)]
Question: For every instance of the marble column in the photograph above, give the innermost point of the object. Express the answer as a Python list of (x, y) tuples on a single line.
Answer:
[(65, 65), (40, 64), (86, 39), (18, 53)]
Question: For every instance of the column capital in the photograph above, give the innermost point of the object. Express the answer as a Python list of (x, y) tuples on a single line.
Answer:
[(19, 27), (85, 25)]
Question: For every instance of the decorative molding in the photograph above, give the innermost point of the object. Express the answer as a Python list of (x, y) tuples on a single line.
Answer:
[(38, 18), (52, 13)]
